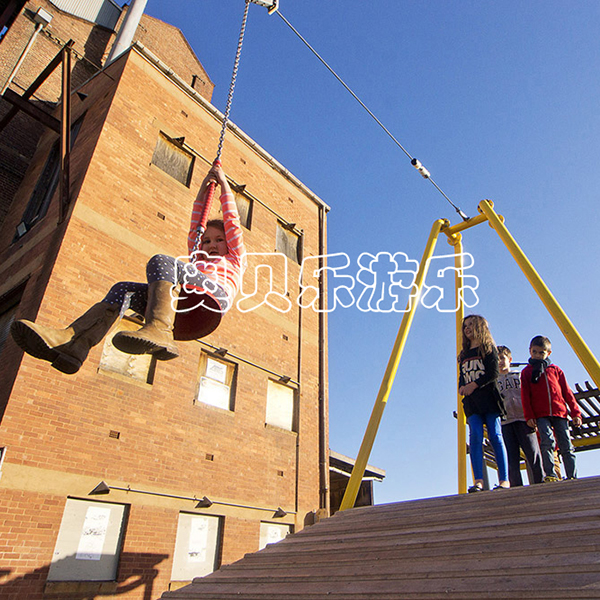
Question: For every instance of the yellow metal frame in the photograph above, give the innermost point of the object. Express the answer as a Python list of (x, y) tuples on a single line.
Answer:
[(583, 443), (487, 214)]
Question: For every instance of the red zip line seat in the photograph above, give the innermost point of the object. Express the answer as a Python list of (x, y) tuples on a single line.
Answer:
[(199, 321)]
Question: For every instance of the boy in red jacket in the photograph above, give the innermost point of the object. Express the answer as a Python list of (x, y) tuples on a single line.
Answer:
[(547, 402)]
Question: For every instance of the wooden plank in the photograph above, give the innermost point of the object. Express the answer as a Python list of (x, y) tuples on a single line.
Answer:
[(471, 582), (32, 110), (547, 508), (440, 567)]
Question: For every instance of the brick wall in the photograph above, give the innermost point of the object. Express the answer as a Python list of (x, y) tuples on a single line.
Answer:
[(57, 427), (29, 537), (170, 45), (91, 47)]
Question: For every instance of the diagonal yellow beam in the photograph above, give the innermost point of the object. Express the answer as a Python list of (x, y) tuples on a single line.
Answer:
[(588, 360), (388, 379)]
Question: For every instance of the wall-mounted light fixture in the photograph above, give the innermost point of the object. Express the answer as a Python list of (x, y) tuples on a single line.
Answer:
[(42, 17), (204, 502), (101, 488)]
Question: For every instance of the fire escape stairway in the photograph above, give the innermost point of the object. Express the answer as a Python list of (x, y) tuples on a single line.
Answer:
[(533, 542)]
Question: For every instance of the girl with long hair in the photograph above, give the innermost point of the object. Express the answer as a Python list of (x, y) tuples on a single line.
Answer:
[(478, 362)]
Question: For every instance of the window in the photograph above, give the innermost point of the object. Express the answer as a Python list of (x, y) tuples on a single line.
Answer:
[(196, 546), (140, 367), (89, 541), (6, 319), (280, 405), (45, 186), (271, 533), (170, 157), (288, 242), (9, 303), (217, 382), (2, 457), (244, 205)]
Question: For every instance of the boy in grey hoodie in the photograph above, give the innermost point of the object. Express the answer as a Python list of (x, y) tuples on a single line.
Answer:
[(515, 431)]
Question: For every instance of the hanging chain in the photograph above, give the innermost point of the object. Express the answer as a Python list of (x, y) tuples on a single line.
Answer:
[(233, 80), (211, 189)]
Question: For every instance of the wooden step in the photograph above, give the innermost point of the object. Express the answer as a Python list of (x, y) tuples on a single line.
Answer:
[(440, 567), (538, 541), (475, 586), (576, 522)]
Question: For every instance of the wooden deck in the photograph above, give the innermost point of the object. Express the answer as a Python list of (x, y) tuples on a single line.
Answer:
[(538, 541)]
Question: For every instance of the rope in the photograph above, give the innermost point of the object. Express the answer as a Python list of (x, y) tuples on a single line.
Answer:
[(416, 163), (210, 190)]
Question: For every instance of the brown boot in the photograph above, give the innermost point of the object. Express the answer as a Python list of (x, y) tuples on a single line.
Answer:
[(66, 348), (156, 336)]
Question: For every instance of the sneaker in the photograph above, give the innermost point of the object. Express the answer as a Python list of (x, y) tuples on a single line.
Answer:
[(501, 487), (550, 479), (475, 488)]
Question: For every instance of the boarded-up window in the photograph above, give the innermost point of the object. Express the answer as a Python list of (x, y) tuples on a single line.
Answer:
[(244, 205), (271, 533), (2, 457), (173, 159), (288, 242), (89, 542), (217, 382), (140, 367), (196, 547), (280, 405)]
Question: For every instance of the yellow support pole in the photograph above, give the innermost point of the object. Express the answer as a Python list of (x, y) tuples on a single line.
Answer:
[(388, 379), (452, 232), (456, 240), (588, 360)]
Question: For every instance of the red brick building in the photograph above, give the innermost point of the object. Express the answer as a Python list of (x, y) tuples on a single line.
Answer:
[(201, 459), (93, 40)]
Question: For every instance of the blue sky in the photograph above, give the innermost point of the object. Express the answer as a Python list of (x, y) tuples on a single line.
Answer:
[(498, 100)]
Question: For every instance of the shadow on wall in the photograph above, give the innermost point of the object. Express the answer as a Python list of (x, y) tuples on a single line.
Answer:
[(139, 570), (95, 49)]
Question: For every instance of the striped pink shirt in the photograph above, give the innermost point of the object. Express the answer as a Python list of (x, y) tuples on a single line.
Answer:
[(226, 271)]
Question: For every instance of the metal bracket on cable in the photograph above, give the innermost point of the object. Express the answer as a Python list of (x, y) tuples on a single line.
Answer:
[(416, 163), (271, 5)]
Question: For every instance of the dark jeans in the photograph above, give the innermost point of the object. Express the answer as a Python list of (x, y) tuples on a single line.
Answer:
[(519, 435), (546, 425)]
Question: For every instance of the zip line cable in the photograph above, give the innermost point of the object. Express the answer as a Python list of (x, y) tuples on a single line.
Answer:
[(415, 162)]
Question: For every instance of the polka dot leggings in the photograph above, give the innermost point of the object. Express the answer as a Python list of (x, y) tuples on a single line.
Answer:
[(163, 268)]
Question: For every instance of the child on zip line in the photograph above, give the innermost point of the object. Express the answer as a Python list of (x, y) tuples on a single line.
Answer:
[(215, 271)]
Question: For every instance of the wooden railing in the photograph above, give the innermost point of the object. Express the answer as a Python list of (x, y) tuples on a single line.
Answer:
[(587, 437)]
